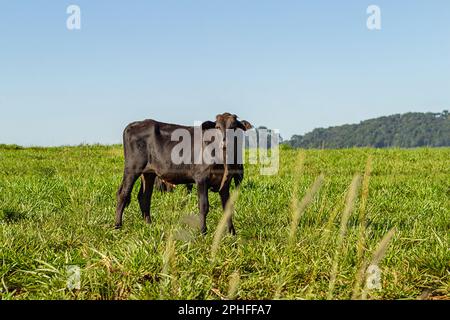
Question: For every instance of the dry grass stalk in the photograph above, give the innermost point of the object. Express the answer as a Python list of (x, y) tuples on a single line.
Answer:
[(222, 225), (299, 208), (362, 227), (382, 247), (363, 208), (377, 256), (349, 205), (234, 285), (168, 269)]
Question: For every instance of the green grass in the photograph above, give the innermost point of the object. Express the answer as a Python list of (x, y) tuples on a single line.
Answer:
[(57, 209)]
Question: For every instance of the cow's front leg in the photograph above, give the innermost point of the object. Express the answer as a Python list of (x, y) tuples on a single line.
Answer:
[(124, 195), (203, 204), (224, 197)]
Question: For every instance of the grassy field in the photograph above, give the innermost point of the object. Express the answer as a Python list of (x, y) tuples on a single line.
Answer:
[(57, 209)]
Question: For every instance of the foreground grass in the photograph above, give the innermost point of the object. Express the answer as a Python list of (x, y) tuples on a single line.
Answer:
[(57, 209)]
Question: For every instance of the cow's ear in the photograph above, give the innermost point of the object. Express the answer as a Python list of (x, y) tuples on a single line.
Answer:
[(208, 125), (246, 125)]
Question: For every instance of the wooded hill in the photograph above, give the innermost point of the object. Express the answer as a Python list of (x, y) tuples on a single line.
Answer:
[(400, 130)]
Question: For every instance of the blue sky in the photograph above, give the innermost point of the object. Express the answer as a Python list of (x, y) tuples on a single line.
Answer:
[(290, 65)]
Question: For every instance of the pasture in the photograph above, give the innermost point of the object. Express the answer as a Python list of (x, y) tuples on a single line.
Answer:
[(57, 209)]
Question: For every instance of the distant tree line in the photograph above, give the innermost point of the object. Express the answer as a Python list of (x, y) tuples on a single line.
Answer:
[(400, 130)]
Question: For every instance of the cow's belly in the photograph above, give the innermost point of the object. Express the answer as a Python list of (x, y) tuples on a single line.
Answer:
[(177, 179), (184, 174), (170, 173)]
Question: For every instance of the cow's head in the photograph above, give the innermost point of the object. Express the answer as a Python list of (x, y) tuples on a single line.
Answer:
[(227, 121)]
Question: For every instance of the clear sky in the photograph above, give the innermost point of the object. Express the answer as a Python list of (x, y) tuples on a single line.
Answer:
[(290, 65)]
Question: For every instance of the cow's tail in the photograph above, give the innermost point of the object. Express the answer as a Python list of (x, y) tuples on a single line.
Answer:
[(125, 140)]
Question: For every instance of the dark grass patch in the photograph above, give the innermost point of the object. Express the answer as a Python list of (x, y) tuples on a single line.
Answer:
[(10, 215)]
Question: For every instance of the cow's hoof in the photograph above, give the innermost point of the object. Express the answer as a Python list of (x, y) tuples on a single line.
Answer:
[(117, 226), (147, 220)]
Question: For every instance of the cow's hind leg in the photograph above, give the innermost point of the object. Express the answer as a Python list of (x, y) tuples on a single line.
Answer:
[(224, 197), (124, 195), (239, 176), (203, 204), (145, 194)]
